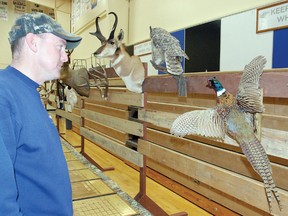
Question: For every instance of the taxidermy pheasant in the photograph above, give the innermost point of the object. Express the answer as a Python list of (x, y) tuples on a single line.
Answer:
[(232, 115), (167, 49)]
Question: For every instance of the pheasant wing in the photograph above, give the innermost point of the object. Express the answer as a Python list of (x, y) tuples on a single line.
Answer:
[(199, 122), (249, 95)]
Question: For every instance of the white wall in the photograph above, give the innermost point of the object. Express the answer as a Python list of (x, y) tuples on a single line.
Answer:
[(5, 26), (169, 14), (63, 19), (240, 43), (86, 24), (47, 3), (62, 16), (173, 15)]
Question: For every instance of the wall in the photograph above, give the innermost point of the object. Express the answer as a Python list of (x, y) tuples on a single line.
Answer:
[(175, 15), (5, 54), (242, 42), (178, 15), (62, 15), (86, 24), (171, 15)]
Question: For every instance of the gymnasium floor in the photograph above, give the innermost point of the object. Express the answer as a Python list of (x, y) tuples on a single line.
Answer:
[(127, 178), (94, 194)]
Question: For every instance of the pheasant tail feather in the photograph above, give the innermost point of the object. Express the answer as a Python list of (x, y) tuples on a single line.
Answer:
[(258, 158), (181, 85)]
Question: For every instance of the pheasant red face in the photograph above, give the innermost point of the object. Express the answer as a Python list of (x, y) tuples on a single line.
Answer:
[(214, 83), (209, 82)]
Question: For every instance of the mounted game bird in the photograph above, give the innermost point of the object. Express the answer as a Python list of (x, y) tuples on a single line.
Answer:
[(232, 115), (71, 97), (166, 49)]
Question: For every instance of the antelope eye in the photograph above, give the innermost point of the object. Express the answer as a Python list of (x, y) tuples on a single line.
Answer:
[(112, 43)]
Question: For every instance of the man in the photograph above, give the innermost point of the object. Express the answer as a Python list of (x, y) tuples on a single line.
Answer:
[(34, 179)]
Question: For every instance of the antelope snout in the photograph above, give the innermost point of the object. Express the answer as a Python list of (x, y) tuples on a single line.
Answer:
[(98, 52)]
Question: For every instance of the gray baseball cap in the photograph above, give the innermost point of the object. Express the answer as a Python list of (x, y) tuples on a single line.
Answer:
[(38, 23)]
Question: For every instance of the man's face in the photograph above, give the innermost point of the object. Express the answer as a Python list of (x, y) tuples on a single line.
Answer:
[(51, 56)]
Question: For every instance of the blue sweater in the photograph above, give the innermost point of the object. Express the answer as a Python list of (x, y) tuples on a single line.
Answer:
[(34, 179)]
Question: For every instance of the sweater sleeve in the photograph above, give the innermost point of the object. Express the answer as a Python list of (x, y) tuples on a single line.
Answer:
[(8, 185), (8, 188)]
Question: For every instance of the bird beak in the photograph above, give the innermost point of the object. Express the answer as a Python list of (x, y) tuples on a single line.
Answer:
[(209, 82)]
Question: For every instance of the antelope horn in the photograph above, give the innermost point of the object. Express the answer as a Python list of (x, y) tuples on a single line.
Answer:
[(98, 33), (69, 52), (111, 36)]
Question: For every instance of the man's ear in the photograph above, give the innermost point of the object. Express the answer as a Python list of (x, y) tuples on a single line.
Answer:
[(32, 41)]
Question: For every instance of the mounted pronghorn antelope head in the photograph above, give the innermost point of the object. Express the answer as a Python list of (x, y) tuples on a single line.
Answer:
[(129, 68)]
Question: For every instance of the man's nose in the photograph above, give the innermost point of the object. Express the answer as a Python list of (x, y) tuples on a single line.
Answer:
[(64, 57)]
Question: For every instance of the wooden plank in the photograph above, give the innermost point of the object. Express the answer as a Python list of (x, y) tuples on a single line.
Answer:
[(158, 118), (117, 97), (276, 106), (275, 143), (231, 146), (128, 98), (268, 121), (198, 199), (110, 72), (275, 122), (207, 191), (240, 187), (112, 205), (174, 108), (76, 111), (107, 110), (234, 162), (165, 120), (118, 135), (268, 140), (79, 103), (75, 165), (117, 81), (124, 125), (168, 103), (197, 82), (113, 147), (82, 175), (72, 117), (76, 128), (88, 189), (69, 156), (65, 149), (53, 104), (105, 103), (200, 100)]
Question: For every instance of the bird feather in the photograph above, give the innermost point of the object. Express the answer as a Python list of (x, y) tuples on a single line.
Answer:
[(249, 95), (199, 122)]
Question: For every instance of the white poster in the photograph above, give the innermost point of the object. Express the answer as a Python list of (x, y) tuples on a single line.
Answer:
[(37, 8), (4, 10), (272, 17), (51, 13), (19, 7)]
